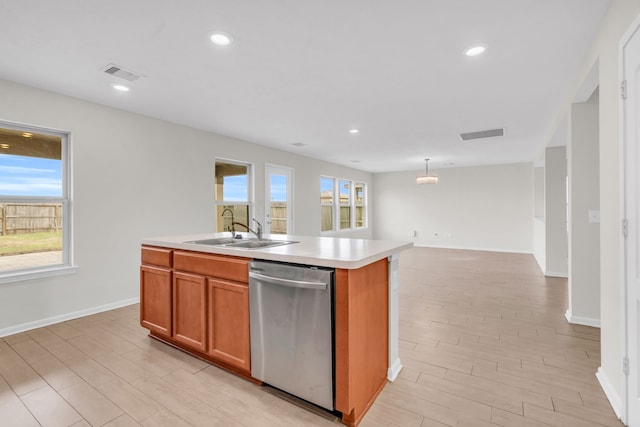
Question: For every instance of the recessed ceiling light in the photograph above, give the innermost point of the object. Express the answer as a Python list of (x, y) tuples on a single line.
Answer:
[(221, 39), (475, 50), (355, 161), (119, 87), (354, 130), (299, 144)]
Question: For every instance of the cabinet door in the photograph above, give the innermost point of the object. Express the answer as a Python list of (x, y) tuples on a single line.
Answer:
[(155, 299), (229, 323), (189, 310)]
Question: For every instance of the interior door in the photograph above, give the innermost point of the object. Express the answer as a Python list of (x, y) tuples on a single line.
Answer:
[(631, 111), (278, 200)]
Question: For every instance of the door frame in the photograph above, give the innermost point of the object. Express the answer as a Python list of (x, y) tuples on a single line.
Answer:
[(627, 339), (289, 172)]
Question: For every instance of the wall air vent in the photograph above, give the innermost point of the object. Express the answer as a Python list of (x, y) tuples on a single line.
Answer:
[(482, 134), (117, 71)]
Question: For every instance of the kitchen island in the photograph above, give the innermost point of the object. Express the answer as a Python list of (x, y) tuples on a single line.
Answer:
[(195, 296)]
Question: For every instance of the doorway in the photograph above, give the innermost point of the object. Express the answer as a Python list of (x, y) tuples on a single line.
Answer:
[(630, 64), (278, 199)]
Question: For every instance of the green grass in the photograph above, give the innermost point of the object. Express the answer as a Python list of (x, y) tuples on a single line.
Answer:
[(15, 244)]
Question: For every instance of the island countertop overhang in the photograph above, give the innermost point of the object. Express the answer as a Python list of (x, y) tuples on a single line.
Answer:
[(335, 252)]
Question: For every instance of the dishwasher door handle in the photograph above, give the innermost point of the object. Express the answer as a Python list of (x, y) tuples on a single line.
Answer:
[(319, 286)]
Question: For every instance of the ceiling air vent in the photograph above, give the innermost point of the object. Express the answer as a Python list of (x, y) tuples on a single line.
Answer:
[(115, 70), (482, 134)]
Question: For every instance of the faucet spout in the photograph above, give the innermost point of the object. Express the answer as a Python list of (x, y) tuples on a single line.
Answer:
[(257, 231)]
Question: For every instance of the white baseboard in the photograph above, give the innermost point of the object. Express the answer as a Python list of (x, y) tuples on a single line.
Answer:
[(11, 330), (610, 392), (586, 321), (394, 370), (471, 248), (555, 274)]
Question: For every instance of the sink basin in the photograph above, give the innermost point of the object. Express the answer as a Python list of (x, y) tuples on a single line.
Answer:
[(241, 243), (214, 242), (257, 244)]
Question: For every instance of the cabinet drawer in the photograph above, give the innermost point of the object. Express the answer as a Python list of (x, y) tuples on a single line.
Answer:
[(231, 268), (160, 257)]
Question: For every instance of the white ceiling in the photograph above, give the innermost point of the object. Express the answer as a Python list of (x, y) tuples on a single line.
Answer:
[(308, 71)]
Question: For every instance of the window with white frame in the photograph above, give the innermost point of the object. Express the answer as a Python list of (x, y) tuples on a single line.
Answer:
[(232, 194), (326, 203), (360, 206), (35, 215), (342, 204)]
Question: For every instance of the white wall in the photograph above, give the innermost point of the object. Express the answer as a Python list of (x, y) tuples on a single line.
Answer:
[(556, 211), (539, 228), (604, 51), (485, 207), (136, 177), (584, 235), (538, 190)]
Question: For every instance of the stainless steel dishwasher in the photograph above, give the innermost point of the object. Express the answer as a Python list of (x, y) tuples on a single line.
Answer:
[(291, 318)]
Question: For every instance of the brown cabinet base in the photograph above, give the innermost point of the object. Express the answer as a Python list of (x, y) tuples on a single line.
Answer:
[(362, 338)]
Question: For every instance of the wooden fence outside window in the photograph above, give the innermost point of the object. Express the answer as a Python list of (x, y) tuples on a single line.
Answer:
[(18, 218)]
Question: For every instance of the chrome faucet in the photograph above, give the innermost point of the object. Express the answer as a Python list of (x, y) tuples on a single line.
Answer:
[(257, 232), (231, 228)]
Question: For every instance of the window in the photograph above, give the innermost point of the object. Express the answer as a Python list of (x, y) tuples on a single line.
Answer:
[(35, 232), (232, 194), (346, 211), (358, 194), (345, 204), (326, 203)]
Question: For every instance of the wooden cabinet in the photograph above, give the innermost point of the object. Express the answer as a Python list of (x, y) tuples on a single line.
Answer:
[(156, 290), (190, 310), (229, 339), (155, 299), (361, 337), (198, 302)]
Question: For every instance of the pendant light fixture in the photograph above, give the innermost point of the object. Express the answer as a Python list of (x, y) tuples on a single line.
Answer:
[(426, 179)]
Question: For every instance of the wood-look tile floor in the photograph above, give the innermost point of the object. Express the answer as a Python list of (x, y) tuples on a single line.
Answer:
[(484, 342)]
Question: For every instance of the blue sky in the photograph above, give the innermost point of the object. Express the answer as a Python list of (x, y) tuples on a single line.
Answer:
[(326, 184), (278, 188), (235, 188), (30, 176)]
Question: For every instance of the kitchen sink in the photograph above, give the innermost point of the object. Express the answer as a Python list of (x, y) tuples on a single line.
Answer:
[(241, 243)]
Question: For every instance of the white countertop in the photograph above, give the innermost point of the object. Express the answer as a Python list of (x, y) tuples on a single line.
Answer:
[(321, 251)]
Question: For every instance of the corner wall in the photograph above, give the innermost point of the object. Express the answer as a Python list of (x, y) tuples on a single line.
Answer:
[(539, 227), (483, 207), (556, 211), (604, 51), (584, 232)]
